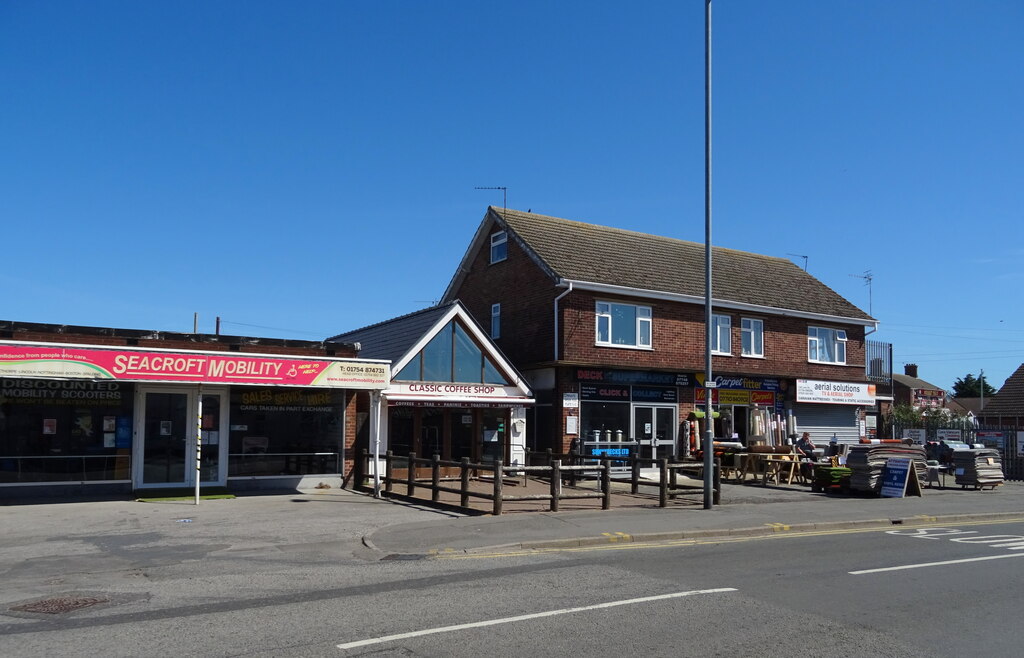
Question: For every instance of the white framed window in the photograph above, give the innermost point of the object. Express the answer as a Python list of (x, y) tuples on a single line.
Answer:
[(623, 325), (753, 337), (721, 334), (499, 246), (826, 345), (495, 320)]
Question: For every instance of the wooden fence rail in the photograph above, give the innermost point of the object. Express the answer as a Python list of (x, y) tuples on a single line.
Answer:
[(555, 471)]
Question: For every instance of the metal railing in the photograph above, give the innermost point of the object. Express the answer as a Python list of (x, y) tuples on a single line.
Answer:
[(52, 469), (276, 464)]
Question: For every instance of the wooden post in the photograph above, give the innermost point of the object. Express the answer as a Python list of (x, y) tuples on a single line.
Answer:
[(464, 476), (663, 489), (389, 471), (635, 478), (718, 482), (435, 477), (606, 483), (411, 478), (498, 468), (673, 482), (556, 483)]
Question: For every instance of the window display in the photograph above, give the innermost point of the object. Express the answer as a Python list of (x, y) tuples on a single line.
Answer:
[(64, 431), (280, 432)]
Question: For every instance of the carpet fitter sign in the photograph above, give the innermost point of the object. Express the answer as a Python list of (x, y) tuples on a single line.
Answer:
[(810, 390), (45, 361)]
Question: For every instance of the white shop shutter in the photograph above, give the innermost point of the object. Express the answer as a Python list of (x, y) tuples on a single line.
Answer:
[(824, 420)]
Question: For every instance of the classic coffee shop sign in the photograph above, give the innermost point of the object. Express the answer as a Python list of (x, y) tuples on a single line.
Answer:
[(193, 367)]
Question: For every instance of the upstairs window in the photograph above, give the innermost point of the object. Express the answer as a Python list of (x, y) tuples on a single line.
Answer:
[(495, 320), (721, 334), (499, 247), (623, 325), (826, 345), (753, 337)]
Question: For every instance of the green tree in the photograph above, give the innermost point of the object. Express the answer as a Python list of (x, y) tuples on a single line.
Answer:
[(970, 386)]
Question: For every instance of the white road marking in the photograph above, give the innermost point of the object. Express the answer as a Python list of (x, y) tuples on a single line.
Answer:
[(934, 564), (536, 615)]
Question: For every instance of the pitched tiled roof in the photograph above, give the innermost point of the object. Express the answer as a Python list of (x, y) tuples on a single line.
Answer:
[(391, 339), (598, 254), (915, 382), (1009, 401)]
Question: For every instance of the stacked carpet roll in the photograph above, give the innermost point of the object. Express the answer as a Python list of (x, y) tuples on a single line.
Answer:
[(978, 468), (867, 462)]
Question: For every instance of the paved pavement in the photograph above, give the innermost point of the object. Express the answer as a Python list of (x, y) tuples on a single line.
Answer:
[(46, 538)]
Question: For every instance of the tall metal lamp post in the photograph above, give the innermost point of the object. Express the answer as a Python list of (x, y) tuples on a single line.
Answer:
[(709, 430)]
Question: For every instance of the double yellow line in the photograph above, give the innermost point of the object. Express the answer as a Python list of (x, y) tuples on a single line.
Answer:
[(618, 541)]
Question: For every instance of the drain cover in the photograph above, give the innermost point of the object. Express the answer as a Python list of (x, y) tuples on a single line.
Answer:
[(60, 605)]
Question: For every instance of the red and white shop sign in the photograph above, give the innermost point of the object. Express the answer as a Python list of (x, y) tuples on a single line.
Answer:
[(50, 361)]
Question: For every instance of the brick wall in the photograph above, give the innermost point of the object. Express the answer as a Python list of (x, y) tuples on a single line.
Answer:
[(526, 295), (678, 342)]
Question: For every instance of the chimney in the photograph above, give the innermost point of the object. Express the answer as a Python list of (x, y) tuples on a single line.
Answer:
[(910, 369)]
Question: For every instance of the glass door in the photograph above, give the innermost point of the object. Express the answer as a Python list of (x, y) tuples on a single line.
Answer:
[(166, 437), (654, 430)]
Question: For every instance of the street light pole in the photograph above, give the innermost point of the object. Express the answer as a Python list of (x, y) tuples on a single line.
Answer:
[(709, 427)]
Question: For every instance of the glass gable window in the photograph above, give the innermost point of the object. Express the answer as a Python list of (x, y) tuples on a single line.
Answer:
[(721, 334), (411, 372), (826, 345), (753, 337), (452, 356), (499, 246), (623, 325), (437, 357)]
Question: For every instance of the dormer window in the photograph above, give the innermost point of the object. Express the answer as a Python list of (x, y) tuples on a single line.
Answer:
[(499, 247)]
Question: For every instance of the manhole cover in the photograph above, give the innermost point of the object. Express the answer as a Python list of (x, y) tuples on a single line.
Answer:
[(59, 605)]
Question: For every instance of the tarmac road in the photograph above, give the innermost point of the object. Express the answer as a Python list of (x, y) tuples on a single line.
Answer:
[(299, 574)]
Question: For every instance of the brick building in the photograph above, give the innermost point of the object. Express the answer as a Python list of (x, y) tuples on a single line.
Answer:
[(910, 389), (607, 326), (96, 410)]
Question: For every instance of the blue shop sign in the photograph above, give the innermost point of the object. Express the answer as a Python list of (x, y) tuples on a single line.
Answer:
[(641, 377)]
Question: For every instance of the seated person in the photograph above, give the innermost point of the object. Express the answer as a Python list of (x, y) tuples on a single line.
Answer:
[(805, 452)]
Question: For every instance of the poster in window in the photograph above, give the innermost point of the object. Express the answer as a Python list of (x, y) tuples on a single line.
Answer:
[(83, 423), (49, 426), (109, 423), (165, 427), (490, 436), (109, 440), (123, 433)]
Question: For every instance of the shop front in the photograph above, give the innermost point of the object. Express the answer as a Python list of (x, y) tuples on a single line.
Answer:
[(613, 406), (828, 409), (747, 405), (453, 394), (91, 418), (483, 423)]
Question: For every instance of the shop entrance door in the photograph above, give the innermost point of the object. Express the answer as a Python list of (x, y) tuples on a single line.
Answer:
[(655, 429), (165, 437)]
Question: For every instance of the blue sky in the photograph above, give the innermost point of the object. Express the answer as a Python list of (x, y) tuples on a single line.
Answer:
[(302, 169)]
